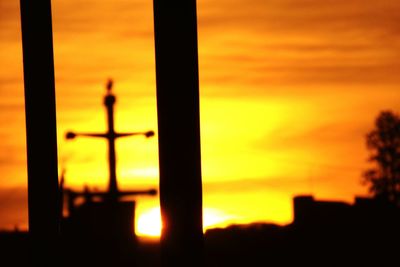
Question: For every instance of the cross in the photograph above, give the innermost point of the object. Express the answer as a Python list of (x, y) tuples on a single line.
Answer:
[(111, 135), (175, 25)]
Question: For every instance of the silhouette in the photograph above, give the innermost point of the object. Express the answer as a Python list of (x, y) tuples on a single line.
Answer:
[(175, 28), (384, 144), (323, 233), (111, 135), (41, 138), (180, 162), (99, 228)]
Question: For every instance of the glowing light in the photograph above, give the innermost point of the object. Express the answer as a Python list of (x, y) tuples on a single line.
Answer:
[(144, 173), (213, 218), (149, 223)]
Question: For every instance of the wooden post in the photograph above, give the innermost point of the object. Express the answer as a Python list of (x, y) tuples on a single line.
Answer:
[(177, 80), (41, 135)]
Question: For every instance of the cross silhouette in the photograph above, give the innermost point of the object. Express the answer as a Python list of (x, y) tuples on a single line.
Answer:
[(111, 135)]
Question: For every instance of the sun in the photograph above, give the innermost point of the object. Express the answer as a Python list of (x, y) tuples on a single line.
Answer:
[(149, 222), (215, 218)]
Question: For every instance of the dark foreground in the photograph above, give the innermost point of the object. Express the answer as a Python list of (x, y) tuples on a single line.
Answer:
[(323, 233), (246, 245)]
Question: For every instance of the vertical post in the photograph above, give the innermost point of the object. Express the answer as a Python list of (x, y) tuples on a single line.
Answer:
[(177, 80), (109, 101), (43, 206)]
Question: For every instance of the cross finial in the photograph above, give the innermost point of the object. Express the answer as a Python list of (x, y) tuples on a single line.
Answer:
[(109, 85)]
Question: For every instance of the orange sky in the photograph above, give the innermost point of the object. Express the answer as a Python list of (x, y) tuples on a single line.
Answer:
[(288, 90)]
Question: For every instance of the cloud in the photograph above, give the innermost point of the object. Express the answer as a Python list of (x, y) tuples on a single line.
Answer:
[(331, 186), (281, 184), (282, 43), (293, 16), (9, 22)]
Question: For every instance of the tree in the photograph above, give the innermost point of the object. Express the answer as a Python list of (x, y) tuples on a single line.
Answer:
[(383, 142)]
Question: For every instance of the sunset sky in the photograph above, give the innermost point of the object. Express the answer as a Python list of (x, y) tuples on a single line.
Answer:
[(288, 88)]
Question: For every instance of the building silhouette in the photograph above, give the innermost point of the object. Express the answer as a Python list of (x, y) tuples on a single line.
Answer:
[(323, 233)]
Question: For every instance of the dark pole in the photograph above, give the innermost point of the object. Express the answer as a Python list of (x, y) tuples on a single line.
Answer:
[(109, 101), (175, 25), (41, 135)]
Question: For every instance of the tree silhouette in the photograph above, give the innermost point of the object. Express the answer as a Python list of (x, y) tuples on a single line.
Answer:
[(383, 142)]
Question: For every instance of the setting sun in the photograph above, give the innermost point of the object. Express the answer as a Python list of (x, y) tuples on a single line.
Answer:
[(149, 222)]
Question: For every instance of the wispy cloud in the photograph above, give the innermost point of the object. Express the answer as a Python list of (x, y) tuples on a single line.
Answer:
[(301, 43)]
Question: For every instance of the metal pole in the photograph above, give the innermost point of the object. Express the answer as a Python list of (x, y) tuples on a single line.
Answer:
[(41, 135), (177, 80)]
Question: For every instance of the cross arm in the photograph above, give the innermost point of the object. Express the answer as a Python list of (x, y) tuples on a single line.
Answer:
[(72, 135), (150, 192), (147, 134)]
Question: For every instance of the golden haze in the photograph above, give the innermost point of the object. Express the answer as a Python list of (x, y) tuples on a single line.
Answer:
[(288, 90)]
